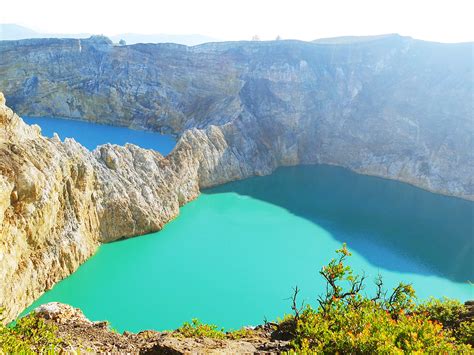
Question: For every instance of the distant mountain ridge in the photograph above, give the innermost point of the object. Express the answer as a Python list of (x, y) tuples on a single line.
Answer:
[(10, 32), (15, 32), (365, 39), (353, 39), (187, 40)]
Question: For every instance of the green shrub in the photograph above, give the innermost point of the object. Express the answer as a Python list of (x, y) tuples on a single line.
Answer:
[(196, 329), (450, 314), (29, 335), (446, 311), (465, 332), (242, 333), (286, 327), (370, 329), (346, 321)]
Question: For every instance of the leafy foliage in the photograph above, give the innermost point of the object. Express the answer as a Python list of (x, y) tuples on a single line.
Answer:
[(446, 311), (29, 335), (370, 329), (348, 321), (465, 332), (243, 333), (450, 314), (196, 329)]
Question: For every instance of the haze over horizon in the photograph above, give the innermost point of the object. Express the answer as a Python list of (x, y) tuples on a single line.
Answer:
[(439, 21)]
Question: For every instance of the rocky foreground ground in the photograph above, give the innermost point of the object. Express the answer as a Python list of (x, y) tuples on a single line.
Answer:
[(79, 333)]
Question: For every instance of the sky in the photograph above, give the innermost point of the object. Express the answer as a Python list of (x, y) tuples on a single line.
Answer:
[(434, 20)]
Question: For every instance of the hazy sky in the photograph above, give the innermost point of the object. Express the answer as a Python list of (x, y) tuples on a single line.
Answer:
[(436, 20)]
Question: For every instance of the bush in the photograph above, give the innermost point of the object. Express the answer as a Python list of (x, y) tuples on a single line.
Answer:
[(29, 335), (370, 329), (347, 321), (243, 333), (196, 329), (446, 311), (465, 332)]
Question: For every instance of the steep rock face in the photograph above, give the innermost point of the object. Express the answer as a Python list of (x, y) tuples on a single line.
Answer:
[(47, 215), (389, 106), (58, 201), (139, 190), (162, 86)]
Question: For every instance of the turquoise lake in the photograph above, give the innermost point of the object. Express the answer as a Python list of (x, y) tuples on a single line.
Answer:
[(233, 255)]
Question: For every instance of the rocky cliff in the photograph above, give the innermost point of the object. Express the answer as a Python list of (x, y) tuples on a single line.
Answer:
[(58, 201), (389, 106)]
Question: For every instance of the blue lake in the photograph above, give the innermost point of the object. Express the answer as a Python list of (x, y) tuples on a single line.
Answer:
[(90, 135)]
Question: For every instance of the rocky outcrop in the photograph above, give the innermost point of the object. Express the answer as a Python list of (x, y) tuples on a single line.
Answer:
[(389, 106), (47, 216), (58, 201), (79, 334)]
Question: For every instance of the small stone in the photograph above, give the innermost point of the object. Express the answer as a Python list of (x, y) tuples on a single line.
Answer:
[(101, 324), (14, 197), (14, 148)]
